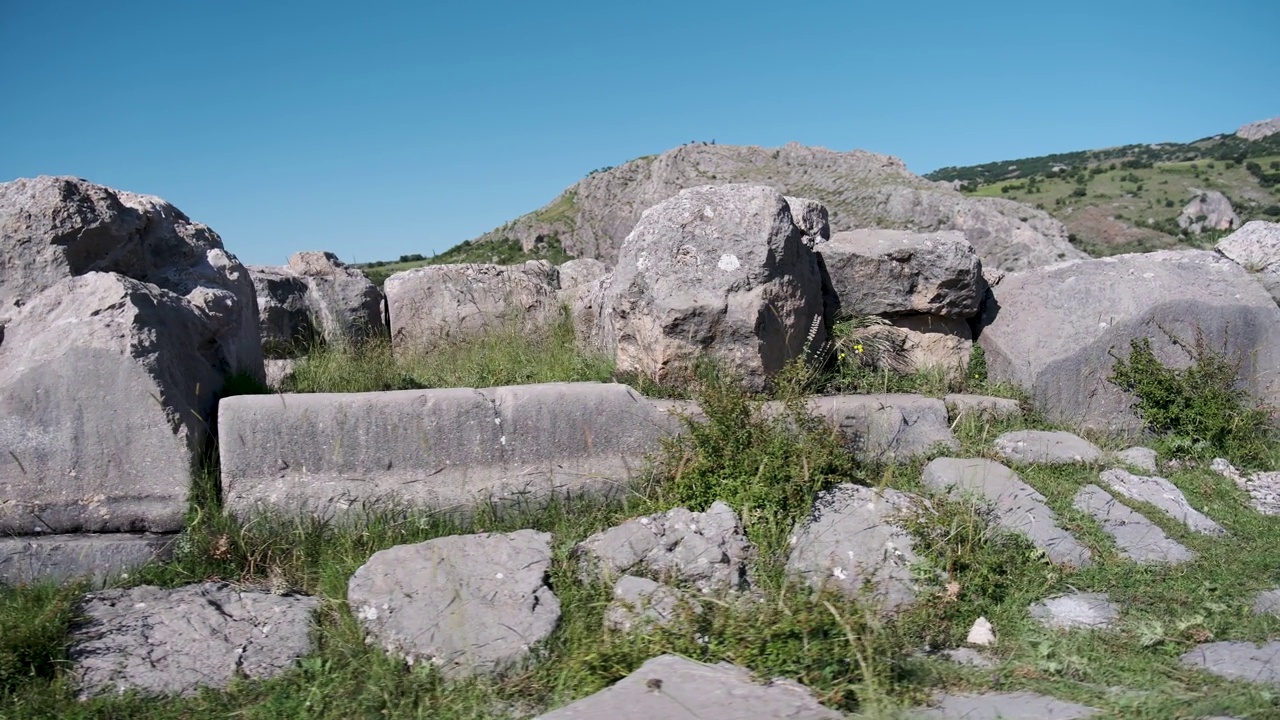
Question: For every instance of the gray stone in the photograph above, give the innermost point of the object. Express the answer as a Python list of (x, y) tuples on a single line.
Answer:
[(894, 272), (1018, 507), (1141, 458), (583, 285), (579, 272), (716, 270), (675, 688), (640, 603), (885, 427), (968, 656), (177, 641), (1208, 210), (983, 406), (932, 342), (122, 319), (1260, 129), (811, 217), (1095, 307), (1046, 448), (278, 371), (982, 633), (62, 558), (438, 304), (1256, 248), (316, 298), (1137, 538), (1164, 495), (1003, 706), (849, 543), (706, 550), (1263, 488), (1267, 602), (469, 604), (1092, 611), (1237, 660), (444, 449)]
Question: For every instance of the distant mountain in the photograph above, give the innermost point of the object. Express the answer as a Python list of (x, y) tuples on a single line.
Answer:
[(1130, 198)]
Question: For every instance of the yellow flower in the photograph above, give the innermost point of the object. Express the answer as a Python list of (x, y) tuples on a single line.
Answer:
[(858, 348)]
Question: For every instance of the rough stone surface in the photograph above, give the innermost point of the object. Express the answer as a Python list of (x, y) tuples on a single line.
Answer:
[(1091, 611), (981, 633), (1237, 660), (925, 342), (849, 543), (1052, 330), (430, 306), (121, 320), (176, 641), (278, 371), (1263, 487), (60, 558), (1018, 507), (720, 270), (1208, 210), (984, 406), (1047, 448), (640, 603), (583, 285), (316, 297), (443, 449), (1267, 602), (1139, 457), (1256, 248), (1136, 537), (1260, 129), (859, 190), (811, 217), (706, 550), (1162, 494), (676, 688), (1003, 706), (894, 272), (885, 427), (470, 604)]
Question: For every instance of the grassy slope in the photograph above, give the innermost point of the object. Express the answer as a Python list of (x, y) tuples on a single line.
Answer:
[(851, 659)]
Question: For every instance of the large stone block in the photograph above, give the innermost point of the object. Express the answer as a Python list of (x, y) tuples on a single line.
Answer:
[(895, 272)]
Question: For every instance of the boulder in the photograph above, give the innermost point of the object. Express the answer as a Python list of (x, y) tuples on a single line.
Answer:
[(316, 298), (895, 272), (469, 604), (1256, 248), (850, 543), (931, 342), (122, 318), (641, 604), (583, 284), (1054, 330), (177, 641), (706, 550), (811, 217), (434, 305), (722, 270), (1208, 210)]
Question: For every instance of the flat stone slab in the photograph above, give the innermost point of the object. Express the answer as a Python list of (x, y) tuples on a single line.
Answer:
[(986, 407), (1045, 447), (640, 603), (1263, 488), (885, 427), (1003, 706), (1090, 611), (670, 687), (470, 604), (1267, 602), (1237, 660), (1136, 537), (968, 656), (1139, 457), (97, 558), (849, 543), (445, 449), (1164, 495), (1018, 506), (176, 641), (706, 550)]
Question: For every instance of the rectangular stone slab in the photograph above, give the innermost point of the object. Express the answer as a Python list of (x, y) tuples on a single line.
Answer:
[(58, 558)]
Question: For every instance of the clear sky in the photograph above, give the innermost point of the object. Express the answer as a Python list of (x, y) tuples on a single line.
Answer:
[(382, 128)]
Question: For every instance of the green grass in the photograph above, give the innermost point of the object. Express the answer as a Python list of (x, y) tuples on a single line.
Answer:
[(770, 469)]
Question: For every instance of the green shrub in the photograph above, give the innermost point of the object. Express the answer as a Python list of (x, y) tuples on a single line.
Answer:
[(1199, 411)]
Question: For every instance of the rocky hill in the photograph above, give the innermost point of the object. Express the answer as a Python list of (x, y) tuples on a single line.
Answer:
[(1136, 198), (860, 189)]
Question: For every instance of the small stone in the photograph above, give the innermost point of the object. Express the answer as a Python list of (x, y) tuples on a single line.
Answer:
[(982, 633)]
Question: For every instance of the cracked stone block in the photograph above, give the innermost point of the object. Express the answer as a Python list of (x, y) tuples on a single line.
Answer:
[(1003, 706), (1164, 495), (1046, 448), (850, 543), (706, 550), (1136, 537), (470, 604), (676, 688), (176, 641), (1090, 611), (1237, 660), (639, 603), (1018, 506)]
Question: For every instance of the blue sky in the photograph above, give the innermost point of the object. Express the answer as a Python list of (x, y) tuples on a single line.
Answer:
[(377, 129)]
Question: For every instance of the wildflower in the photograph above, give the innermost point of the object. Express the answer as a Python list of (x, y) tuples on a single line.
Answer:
[(858, 348)]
